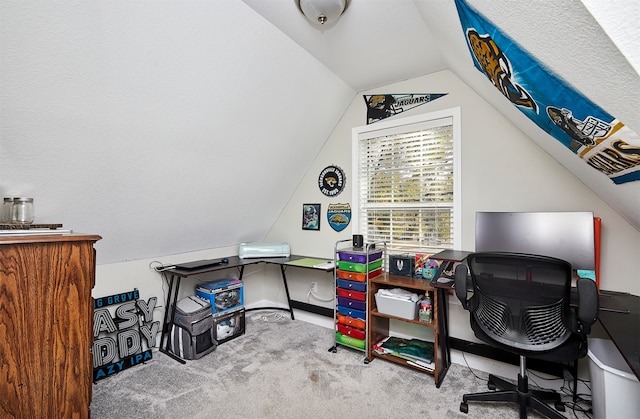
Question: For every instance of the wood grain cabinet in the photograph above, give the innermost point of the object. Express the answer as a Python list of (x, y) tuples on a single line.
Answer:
[(46, 325)]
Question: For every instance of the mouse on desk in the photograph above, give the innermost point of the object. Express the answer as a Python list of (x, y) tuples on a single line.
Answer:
[(224, 260)]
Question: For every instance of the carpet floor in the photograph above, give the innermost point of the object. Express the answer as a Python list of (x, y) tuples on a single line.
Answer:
[(282, 369)]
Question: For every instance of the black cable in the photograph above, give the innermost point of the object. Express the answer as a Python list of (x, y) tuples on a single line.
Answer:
[(470, 369)]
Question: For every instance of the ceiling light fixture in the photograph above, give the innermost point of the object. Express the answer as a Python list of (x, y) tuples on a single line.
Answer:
[(321, 12)]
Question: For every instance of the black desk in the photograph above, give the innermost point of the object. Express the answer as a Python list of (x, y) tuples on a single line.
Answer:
[(624, 328), (175, 275), (619, 314)]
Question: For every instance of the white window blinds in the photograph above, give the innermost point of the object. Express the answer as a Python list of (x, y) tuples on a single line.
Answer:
[(406, 186)]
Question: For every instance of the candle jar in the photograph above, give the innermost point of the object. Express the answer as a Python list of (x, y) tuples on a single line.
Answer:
[(6, 210), (22, 211)]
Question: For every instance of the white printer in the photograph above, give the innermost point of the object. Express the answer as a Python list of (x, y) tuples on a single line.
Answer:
[(263, 250)]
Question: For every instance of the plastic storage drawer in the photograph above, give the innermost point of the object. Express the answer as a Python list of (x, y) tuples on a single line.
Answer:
[(355, 276), (351, 331), (359, 267), (354, 295), (352, 312), (352, 285), (348, 340), (351, 321), (347, 302), (359, 257)]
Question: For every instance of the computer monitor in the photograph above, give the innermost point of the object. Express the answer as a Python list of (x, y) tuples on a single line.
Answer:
[(564, 235)]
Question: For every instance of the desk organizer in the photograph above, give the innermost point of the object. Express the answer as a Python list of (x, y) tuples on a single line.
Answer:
[(223, 295)]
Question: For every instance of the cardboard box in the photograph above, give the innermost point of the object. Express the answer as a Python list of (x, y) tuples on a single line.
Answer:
[(223, 295)]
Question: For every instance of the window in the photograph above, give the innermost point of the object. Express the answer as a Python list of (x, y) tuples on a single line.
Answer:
[(406, 182)]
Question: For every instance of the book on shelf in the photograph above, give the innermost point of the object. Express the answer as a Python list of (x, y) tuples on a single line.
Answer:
[(415, 351)]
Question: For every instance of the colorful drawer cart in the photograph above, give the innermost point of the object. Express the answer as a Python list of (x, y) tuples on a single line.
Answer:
[(354, 268)]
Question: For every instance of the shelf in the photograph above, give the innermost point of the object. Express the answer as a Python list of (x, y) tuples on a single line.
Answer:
[(405, 362), (403, 282), (375, 312), (379, 324)]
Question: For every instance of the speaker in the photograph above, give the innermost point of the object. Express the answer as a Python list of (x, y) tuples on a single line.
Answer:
[(358, 241)]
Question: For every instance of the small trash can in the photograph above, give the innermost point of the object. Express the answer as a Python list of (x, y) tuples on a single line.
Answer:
[(615, 390)]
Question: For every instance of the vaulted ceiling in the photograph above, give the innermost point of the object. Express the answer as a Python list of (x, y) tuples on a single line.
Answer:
[(175, 126), (378, 42)]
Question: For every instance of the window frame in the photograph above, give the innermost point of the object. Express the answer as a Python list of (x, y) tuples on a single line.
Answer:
[(408, 124)]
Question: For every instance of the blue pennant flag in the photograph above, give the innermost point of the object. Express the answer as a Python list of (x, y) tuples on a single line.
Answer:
[(599, 139)]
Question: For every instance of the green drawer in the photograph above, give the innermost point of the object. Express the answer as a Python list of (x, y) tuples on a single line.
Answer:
[(346, 265), (348, 340)]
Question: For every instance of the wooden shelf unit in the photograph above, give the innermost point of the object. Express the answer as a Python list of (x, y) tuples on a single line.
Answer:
[(378, 323)]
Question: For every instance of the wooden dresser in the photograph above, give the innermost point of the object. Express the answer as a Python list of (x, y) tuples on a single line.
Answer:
[(46, 325)]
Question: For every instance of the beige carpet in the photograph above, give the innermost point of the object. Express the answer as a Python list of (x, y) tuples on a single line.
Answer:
[(283, 369)]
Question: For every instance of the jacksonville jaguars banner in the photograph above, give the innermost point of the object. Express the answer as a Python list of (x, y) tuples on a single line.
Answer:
[(602, 141), (383, 106)]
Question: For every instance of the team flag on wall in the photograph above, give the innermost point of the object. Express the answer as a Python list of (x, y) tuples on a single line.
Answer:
[(383, 106), (602, 141)]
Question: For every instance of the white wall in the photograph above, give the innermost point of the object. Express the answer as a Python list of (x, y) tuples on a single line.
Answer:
[(164, 126), (502, 170)]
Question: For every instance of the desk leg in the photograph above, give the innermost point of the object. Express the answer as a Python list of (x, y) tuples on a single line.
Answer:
[(169, 315), (286, 289), (443, 327)]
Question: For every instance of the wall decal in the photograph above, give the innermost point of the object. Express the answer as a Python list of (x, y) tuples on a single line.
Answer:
[(383, 106), (599, 139), (339, 216), (123, 339), (331, 181), (311, 217)]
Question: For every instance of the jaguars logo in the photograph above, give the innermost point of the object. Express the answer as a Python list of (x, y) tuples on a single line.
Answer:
[(497, 68), (339, 216), (331, 181)]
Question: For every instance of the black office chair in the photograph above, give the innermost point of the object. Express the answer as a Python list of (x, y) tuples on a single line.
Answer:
[(521, 304)]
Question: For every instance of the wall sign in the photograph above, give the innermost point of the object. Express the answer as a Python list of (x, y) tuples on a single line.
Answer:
[(383, 106), (123, 339), (600, 140), (331, 181), (339, 216)]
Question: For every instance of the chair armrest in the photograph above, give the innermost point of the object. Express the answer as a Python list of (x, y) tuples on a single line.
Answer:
[(588, 304), (460, 282)]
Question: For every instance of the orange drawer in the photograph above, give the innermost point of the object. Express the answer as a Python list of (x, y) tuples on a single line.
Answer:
[(350, 321), (356, 276)]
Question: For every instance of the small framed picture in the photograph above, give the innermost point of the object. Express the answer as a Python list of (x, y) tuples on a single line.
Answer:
[(311, 217)]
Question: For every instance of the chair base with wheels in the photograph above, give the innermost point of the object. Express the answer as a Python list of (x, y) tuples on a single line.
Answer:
[(519, 394)]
